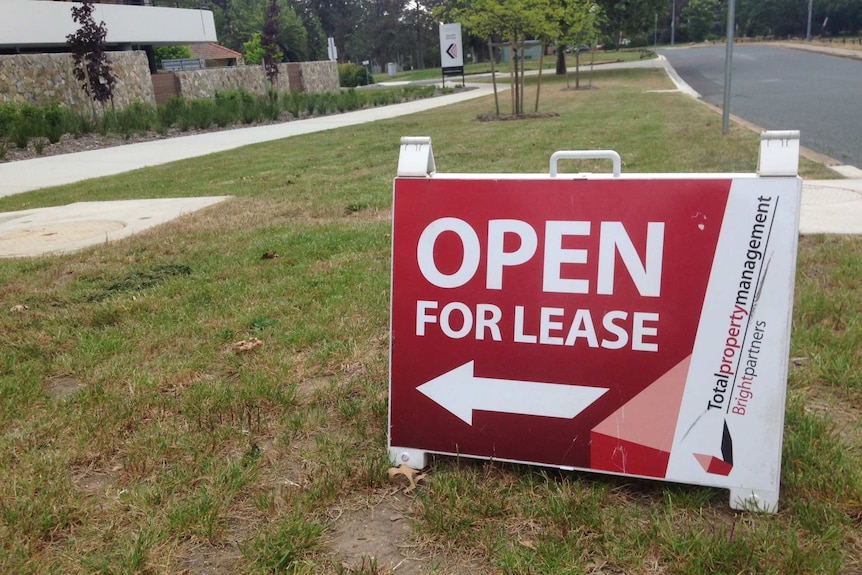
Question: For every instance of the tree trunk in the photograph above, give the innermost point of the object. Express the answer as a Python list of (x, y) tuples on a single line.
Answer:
[(513, 75), (494, 76), (561, 60), (539, 81), (577, 69), (523, 84)]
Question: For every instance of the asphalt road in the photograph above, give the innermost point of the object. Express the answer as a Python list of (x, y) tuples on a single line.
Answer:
[(784, 89)]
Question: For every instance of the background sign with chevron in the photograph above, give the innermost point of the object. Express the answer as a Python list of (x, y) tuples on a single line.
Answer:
[(451, 49)]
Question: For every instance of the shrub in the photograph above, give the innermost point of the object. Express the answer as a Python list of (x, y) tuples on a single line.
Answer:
[(56, 122), (349, 100), (20, 137), (228, 108), (80, 124), (250, 107), (352, 75), (294, 103), (201, 113), (32, 119), (382, 98), (8, 116), (311, 101), (270, 107), (171, 111), (416, 92), (138, 117), (323, 103)]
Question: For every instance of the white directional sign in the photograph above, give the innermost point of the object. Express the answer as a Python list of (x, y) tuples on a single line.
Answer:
[(451, 50)]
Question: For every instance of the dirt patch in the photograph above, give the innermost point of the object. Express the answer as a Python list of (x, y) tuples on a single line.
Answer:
[(61, 386), (843, 414), (205, 559), (378, 531), (93, 482)]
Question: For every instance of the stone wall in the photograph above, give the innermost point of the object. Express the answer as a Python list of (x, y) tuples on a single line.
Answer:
[(320, 76), (205, 83), (316, 77), (40, 79)]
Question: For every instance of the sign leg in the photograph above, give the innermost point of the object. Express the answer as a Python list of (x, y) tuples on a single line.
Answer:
[(414, 458), (750, 500)]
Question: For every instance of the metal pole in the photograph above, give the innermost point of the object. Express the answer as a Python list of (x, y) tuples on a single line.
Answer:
[(810, 11), (655, 33), (728, 58)]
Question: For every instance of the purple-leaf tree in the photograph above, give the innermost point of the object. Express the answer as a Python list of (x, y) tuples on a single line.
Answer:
[(92, 65), (269, 41)]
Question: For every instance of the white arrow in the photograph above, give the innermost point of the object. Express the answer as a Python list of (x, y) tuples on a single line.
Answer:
[(461, 393)]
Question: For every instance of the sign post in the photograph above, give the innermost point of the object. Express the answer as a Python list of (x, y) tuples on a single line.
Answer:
[(331, 50), (451, 51), (610, 323)]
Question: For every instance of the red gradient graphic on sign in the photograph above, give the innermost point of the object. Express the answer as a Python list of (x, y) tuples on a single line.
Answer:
[(571, 308), (637, 438)]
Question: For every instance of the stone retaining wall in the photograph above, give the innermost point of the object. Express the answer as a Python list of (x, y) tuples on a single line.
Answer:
[(316, 77), (320, 76), (40, 79)]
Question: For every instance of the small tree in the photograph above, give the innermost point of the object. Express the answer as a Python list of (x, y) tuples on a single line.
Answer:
[(514, 21), (92, 65), (269, 42), (252, 51), (579, 25)]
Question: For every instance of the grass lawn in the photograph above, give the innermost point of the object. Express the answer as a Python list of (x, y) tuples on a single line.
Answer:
[(139, 435)]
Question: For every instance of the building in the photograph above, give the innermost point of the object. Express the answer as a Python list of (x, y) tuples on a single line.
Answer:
[(28, 26), (214, 56)]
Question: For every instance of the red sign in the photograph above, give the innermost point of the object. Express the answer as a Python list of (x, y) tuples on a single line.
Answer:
[(555, 321)]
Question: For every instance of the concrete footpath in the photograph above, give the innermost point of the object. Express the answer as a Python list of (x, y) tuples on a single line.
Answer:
[(829, 206), (27, 175)]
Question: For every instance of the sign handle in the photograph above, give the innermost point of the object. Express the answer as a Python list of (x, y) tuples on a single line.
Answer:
[(779, 153), (416, 159), (586, 155)]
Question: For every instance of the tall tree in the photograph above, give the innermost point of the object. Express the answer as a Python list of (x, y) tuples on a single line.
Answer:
[(269, 42), (790, 17), (700, 17), (92, 65), (421, 21), (316, 39), (338, 19), (627, 18), (380, 33)]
